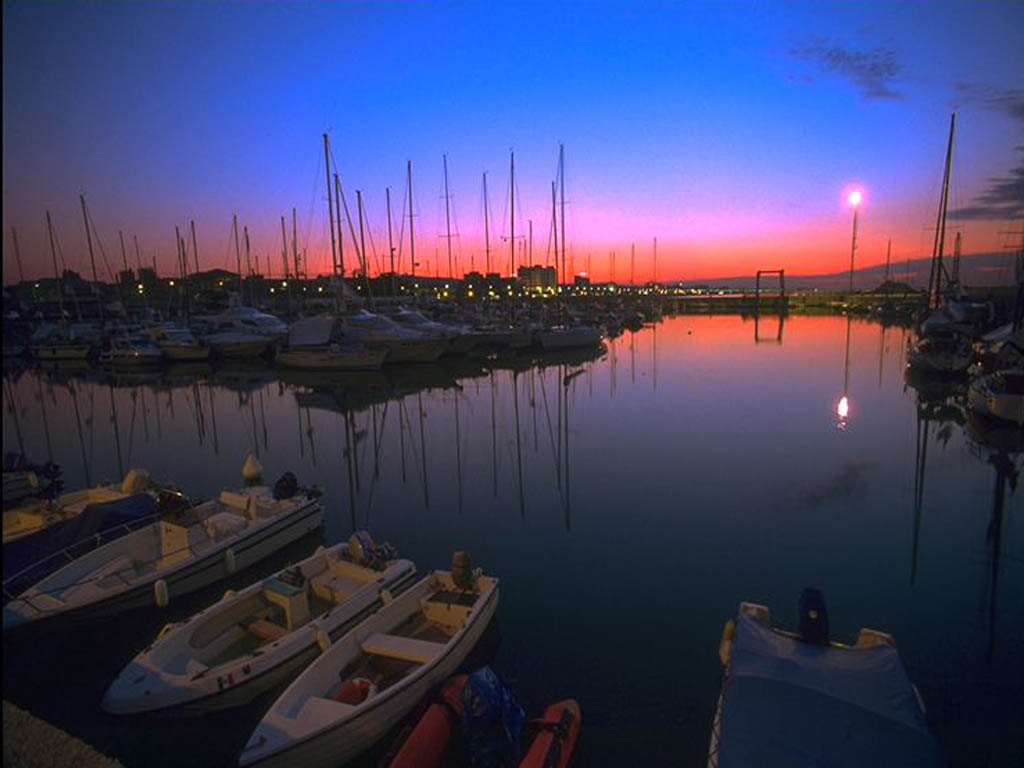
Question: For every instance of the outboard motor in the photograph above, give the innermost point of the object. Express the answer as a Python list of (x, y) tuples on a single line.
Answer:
[(813, 617), (462, 571), (286, 486)]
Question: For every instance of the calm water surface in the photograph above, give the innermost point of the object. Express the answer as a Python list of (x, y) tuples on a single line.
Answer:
[(628, 501)]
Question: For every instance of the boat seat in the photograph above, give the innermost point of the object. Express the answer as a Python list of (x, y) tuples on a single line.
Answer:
[(267, 630), (334, 586), (403, 648), (223, 524), (320, 711)]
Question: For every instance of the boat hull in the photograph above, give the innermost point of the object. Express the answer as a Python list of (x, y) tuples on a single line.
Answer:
[(185, 352), (69, 352), (415, 351), (338, 745), (329, 360), (209, 569)]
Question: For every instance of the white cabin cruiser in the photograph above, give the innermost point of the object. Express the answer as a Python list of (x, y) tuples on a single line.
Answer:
[(177, 343), (403, 345), (129, 351), (317, 343)]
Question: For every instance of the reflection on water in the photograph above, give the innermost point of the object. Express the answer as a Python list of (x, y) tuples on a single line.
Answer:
[(629, 498)]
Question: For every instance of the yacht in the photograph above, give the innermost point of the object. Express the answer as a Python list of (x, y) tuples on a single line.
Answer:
[(403, 345)]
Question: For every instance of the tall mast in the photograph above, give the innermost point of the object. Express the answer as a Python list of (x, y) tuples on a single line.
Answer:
[(888, 259), (248, 266), (935, 275), (955, 277), (512, 201), (182, 272), (448, 216), (554, 227), (195, 247), (561, 174), (362, 248), (337, 212), (284, 249), (295, 244), (124, 254), (632, 262), (330, 207), (56, 273), (655, 259), (412, 237), (92, 257), (391, 242), (238, 253), (138, 264), (487, 226), (17, 254), (529, 255)]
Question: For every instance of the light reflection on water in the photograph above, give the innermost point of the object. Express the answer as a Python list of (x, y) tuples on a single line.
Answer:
[(628, 501)]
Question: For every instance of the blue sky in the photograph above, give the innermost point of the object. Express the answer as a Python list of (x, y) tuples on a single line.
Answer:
[(727, 130)]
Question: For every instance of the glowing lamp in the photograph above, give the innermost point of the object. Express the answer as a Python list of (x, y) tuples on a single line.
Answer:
[(855, 198), (843, 409)]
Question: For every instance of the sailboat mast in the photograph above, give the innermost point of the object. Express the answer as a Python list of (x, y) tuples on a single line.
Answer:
[(362, 247), (195, 247), (391, 242), (92, 257), (632, 263), (295, 244), (561, 176), (512, 202), (56, 273), (248, 266), (412, 236), (487, 226), (337, 213), (935, 275), (284, 249), (330, 206), (888, 258), (448, 216), (554, 226), (655, 259), (238, 253), (124, 254), (17, 254)]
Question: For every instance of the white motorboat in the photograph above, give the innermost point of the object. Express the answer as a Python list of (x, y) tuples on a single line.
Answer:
[(53, 342), (562, 337), (252, 640), (246, 319), (999, 395), (800, 699), (370, 678), (129, 351), (177, 343), (402, 344), (182, 552), (237, 344), (312, 345)]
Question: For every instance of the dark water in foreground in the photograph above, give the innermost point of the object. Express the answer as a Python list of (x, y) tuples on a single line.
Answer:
[(628, 503)]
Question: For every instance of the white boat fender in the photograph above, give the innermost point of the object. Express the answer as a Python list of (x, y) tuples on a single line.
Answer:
[(229, 560), (725, 646), (228, 594), (160, 594), (386, 598), (323, 640)]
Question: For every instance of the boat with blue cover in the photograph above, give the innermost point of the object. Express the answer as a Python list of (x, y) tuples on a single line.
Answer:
[(792, 698)]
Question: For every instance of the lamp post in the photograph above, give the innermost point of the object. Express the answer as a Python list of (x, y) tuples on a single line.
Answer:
[(855, 198)]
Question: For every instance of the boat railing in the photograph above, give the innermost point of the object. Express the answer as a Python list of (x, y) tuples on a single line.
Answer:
[(21, 580)]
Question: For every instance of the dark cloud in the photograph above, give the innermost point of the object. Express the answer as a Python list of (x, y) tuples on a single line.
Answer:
[(1007, 101), (872, 71), (1004, 198)]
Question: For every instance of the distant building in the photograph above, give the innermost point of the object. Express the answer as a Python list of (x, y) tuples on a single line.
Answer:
[(581, 280), (538, 277)]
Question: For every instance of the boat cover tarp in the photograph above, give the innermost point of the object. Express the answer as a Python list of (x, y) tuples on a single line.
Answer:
[(787, 703), (311, 331), (112, 519)]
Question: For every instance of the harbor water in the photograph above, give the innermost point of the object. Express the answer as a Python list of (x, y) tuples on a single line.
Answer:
[(628, 499)]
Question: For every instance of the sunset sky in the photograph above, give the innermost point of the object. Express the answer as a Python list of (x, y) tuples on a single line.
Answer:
[(729, 131)]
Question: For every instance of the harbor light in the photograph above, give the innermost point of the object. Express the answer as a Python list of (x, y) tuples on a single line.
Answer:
[(855, 198)]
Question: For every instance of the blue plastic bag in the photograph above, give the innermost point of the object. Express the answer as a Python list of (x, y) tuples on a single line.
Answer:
[(492, 720)]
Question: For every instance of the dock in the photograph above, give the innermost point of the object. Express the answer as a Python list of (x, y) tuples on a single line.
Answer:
[(33, 743)]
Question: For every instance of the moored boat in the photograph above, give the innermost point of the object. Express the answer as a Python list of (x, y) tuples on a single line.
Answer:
[(177, 343), (370, 679), (129, 351), (313, 345), (254, 639), (999, 395), (178, 554), (800, 699), (561, 337)]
